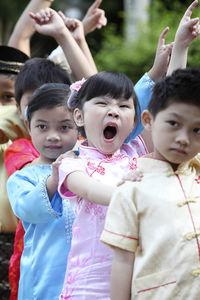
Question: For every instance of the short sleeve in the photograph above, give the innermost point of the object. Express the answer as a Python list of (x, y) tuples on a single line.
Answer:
[(121, 226), (68, 165)]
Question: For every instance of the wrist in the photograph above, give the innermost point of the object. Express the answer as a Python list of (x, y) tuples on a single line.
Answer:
[(61, 34), (155, 75)]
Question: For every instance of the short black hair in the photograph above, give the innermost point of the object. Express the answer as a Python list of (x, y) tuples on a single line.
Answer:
[(36, 72), (48, 96), (183, 86)]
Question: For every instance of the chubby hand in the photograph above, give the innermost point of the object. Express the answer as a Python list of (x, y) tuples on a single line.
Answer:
[(135, 175), (94, 18)]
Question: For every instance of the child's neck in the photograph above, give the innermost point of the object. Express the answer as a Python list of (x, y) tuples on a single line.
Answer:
[(42, 161)]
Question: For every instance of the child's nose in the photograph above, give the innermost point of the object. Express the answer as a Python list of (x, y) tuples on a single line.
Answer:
[(53, 136), (113, 112), (183, 138)]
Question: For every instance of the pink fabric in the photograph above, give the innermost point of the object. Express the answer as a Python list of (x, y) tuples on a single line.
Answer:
[(89, 261), (18, 154)]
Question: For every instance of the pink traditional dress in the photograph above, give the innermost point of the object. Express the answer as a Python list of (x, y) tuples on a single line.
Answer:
[(89, 261), (18, 154)]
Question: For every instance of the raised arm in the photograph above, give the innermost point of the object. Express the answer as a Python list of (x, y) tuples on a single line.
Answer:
[(162, 57), (187, 31), (76, 28), (24, 29), (54, 26)]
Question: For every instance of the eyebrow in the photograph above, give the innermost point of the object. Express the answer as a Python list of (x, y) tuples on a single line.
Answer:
[(62, 121), (173, 114)]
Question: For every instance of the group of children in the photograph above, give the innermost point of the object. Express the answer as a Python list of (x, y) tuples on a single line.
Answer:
[(62, 199)]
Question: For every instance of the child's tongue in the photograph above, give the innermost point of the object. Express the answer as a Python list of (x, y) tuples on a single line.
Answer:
[(109, 132)]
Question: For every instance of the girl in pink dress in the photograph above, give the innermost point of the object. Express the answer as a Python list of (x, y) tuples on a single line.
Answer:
[(104, 110)]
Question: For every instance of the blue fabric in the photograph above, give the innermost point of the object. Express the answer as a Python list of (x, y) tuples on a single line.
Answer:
[(143, 90), (47, 239)]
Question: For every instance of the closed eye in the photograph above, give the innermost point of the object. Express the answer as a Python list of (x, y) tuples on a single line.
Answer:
[(124, 106), (101, 103)]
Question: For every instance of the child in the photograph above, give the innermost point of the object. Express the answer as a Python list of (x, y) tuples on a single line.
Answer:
[(11, 128), (33, 197), (107, 100), (153, 225), (54, 27), (33, 74), (103, 100)]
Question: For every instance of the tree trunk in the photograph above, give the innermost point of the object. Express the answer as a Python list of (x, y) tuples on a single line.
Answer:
[(136, 13)]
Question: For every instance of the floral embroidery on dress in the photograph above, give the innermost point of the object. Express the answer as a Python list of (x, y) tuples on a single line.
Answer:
[(197, 180), (99, 169), (133, 164), (94, 209)]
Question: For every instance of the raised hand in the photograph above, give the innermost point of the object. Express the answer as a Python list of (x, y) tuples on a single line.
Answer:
[(74, 26), (187, 31), (47, 22), (94, 18), (188, 28), (162, 57)]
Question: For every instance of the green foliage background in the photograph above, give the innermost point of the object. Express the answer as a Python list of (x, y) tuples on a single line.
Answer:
[(110, 49), (136, 58)]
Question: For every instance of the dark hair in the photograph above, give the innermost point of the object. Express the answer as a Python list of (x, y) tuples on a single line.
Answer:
[(183, 86), (37, 71), (106, 83), (48, 96)]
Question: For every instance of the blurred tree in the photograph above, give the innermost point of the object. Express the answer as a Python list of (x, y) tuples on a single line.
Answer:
[(137, 57), (110, 48)]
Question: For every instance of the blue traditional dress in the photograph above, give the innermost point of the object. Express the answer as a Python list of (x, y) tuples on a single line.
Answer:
[(47, 239)]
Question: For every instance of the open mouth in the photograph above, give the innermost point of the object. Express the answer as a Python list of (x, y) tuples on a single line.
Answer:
[(110, 132)]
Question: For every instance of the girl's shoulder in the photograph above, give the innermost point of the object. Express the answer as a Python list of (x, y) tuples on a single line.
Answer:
[(32, 173), (135, 147)]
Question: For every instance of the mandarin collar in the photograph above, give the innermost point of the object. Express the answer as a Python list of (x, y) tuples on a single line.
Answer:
[(147, 163), (94, 153)]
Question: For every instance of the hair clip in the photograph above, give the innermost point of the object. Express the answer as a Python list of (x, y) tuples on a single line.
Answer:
[(74, 87)]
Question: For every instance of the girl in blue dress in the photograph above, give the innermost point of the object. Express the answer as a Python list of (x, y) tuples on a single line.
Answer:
[(34, 198)]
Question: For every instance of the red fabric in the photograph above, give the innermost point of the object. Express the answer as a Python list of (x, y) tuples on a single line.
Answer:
[(18, 154)]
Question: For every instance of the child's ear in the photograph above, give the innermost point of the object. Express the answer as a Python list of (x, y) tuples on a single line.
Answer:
[(27, 125), (78, 117), (147, 119), (18, 108)]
